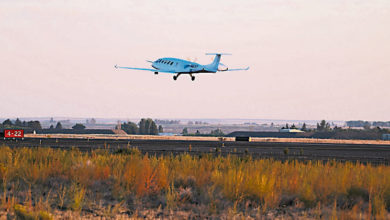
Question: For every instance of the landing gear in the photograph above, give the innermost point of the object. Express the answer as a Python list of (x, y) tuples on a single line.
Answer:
[(192, 77), (155, 73), (175, 77)]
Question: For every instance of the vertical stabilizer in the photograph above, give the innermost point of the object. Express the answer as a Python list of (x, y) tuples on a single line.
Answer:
[(214, 65)]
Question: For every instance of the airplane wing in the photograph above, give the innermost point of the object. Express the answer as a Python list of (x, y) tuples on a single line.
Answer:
[(146, 69), (235, 69)]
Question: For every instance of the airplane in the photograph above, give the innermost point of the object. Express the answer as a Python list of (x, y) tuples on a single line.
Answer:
[(178, 66)]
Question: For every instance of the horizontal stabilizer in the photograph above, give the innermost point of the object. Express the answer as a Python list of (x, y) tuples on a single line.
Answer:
[(234, 69), (218, 54)]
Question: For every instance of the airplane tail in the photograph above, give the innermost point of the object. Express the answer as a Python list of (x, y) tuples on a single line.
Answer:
[(214, 65)]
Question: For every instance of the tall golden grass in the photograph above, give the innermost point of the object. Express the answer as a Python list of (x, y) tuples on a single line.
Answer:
[(267, 183)]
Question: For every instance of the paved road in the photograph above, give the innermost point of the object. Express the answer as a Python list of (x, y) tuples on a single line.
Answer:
[(377, 154)]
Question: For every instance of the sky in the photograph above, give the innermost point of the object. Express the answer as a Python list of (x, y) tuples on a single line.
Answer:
[(309, 59)]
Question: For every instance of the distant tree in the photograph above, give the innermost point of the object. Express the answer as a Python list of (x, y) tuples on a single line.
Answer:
[(166, 122), (35, 125), (272, 124), (337, 128), (197, 132), (59, 126), (287, 126), (18, 123), (142, 126), (293, 126), (51, 127), (153, 128), (304, 127), (147, 126), (185, 131), (357, 123), (7, 123), (323, 126), (130, 128), (160, 129), (217, 132), (78, 126)]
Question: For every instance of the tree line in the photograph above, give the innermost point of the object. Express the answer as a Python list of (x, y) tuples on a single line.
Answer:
[(145, 126), (365, 124), (18, 124), (213, 133)]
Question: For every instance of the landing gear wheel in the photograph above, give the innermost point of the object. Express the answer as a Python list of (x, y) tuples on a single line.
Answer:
[(155, 73), (192, 78), (174, 77)]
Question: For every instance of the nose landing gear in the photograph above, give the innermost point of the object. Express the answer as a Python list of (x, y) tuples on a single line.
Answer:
[(192, 77)]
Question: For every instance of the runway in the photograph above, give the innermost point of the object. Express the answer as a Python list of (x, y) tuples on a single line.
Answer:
[(303, 151)]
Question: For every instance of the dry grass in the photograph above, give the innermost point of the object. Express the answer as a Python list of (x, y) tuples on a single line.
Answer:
[(44, 179)]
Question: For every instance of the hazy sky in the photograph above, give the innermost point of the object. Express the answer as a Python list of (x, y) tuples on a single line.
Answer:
[(309, 59)]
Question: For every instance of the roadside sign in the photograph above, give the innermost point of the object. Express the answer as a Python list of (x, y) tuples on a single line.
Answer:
[(14, 133)]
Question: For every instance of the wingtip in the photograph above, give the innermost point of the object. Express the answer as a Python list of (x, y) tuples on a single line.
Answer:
[(116, 67), (247, 68)]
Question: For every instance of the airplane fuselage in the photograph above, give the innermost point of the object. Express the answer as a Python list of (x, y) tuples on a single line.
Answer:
[(176, 65)]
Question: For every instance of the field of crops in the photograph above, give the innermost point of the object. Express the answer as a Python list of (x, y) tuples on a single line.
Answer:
[(46, 183)]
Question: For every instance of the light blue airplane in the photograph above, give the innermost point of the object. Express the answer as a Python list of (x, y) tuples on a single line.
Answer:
[(179, 66)]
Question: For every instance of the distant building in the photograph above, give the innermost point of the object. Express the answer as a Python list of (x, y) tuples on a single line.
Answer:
[(290, 130), (167, 134), (386, 136)]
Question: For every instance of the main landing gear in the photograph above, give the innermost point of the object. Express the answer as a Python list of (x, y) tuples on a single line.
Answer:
[(176, 76), (155, 73)]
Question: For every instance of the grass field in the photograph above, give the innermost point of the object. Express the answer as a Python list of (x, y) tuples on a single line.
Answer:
[(45, 183)]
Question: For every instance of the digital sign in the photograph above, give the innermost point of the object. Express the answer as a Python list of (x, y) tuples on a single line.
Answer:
[(13, 133)]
